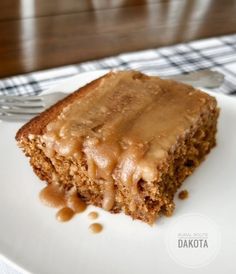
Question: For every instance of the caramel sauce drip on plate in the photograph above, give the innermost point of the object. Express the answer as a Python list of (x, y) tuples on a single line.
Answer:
[(96, 228), (93, 215), (65, 214), (69, 202), (53, 196)]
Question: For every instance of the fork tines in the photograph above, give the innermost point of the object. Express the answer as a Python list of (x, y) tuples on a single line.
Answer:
[(22, 107)]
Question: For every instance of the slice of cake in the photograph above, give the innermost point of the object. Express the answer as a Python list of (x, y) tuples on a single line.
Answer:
[(126, 141)]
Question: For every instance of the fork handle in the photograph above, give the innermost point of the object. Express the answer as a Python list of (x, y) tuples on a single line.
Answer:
[(203, 78)]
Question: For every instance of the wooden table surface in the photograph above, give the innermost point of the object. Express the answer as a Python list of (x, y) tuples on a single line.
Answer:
[(40, 34)]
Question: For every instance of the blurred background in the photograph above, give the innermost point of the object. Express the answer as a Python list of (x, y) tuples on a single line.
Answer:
[(41, 34)]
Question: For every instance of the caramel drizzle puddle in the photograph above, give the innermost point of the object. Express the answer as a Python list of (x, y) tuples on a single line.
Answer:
[(53, 196), (65, 214), (69, 203), (93, 215), (96, 228)]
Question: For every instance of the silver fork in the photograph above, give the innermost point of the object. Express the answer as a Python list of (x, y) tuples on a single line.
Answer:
[(23, 108)]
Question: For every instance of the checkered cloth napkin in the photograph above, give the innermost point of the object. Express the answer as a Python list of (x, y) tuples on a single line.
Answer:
[(215, 53)]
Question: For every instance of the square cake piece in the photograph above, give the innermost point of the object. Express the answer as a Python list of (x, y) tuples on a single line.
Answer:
[(126, 141)]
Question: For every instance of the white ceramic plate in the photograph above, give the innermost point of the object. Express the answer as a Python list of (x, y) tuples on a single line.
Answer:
[(32, 239)]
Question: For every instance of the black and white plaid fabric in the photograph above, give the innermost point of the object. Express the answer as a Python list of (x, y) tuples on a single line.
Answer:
[(215, 53)]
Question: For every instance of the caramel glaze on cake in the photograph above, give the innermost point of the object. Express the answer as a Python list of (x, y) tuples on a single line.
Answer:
[(126, 141)]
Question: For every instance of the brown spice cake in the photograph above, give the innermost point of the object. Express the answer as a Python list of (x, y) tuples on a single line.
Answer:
[(126, 141)]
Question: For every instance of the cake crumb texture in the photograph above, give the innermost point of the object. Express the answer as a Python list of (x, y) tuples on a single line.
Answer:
[(183, 194)]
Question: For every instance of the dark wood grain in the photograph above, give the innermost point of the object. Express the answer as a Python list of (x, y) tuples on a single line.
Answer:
[(74, 31), (12, 9)]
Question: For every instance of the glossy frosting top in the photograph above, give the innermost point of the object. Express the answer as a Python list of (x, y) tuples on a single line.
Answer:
[(125, 127)]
